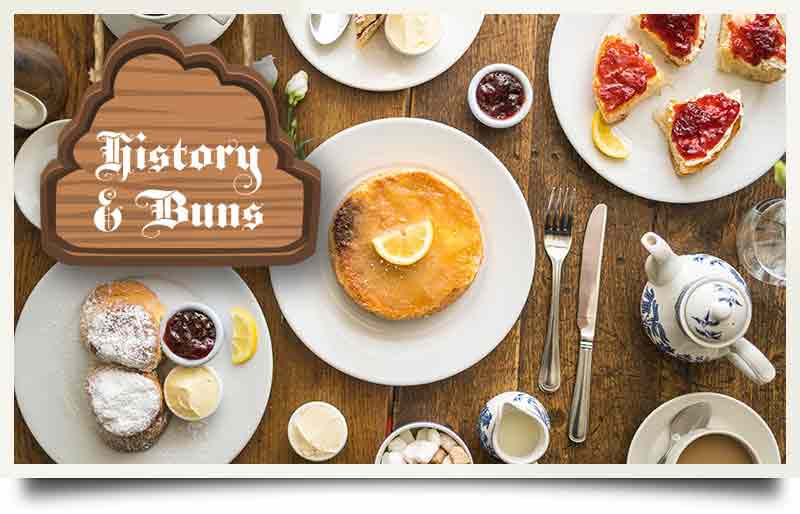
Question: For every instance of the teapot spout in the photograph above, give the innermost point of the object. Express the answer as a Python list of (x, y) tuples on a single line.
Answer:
[(663, 264)]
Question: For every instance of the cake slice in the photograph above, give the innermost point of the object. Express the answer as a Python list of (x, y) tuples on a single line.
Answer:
[(623, 77), (753, 46), (366, 26), (699, 129), (679, 36)]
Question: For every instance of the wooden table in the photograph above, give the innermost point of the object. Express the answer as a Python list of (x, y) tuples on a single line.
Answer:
[(630, 377)]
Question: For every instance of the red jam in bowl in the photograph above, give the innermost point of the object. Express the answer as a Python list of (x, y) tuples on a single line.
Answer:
[(700, 124), (678, 31), (622, 72), (500, 95), (760, 39), (190, 334)]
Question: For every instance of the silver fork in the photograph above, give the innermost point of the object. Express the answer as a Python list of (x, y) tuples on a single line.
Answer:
[(557, 242)]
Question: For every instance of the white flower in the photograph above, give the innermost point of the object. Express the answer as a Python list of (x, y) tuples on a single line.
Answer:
[(297, 87), (266, 67)]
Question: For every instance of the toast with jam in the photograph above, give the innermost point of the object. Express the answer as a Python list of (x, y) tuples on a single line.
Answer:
[(753, 46), (679, 36), (699, 129), (624, 75)]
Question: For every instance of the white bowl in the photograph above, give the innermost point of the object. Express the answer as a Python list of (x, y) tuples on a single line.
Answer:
[(484, 118), (319, 458), (403, 51), (416, 425), (219, 399), (208, 311)]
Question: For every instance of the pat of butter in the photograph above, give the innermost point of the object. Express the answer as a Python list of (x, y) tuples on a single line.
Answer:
[(413, 33), (192, 393), (317, 431)]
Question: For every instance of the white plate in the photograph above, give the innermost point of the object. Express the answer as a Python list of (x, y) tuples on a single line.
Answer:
[(652, 438), (376, 66), (50, 365), (428, 349), (648, 171), (197, 29), (36, 152)]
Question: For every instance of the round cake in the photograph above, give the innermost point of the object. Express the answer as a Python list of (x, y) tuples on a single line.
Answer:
[(390, 201)]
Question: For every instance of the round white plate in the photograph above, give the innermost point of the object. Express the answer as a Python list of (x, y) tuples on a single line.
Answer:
[(33, 157), (648, 172), (376, 66), (197, 29), (436, 347), (652, 438), (50, 366)]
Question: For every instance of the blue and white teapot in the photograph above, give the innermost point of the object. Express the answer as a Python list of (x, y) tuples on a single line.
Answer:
[(697, 308)]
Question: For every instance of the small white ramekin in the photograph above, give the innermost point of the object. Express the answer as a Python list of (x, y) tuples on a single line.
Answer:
[(219, 400), (402, 50), (416, 426), (319, 458), (208, 311), (472, 98)]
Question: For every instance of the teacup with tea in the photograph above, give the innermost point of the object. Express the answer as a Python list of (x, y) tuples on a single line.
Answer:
[(708, 446)]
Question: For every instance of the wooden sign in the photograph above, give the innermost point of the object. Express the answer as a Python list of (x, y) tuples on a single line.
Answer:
[(177, 157)]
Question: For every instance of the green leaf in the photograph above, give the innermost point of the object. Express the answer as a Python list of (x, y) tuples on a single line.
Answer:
[(780, 174)]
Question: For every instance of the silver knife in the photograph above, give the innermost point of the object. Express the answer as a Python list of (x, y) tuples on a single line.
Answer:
[(591, 261)]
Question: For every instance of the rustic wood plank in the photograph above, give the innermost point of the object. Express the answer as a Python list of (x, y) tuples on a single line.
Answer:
[(70, 38), (457, 401), (299, 375)]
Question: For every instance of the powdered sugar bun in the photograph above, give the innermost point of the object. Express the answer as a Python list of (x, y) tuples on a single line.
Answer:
[(120, 324), (128, 406)]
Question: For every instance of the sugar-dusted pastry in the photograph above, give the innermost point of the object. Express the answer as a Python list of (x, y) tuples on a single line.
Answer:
[(679, 36), (753, 46), (128, 407), (426, 223), (366, 26), (120, 324), (699, 129), (623, 76)]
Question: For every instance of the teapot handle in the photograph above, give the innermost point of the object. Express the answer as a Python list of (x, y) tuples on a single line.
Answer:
[(750, 361)]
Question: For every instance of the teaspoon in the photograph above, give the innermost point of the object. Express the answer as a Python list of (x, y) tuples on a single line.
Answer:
[(327, 27), (690, 418)]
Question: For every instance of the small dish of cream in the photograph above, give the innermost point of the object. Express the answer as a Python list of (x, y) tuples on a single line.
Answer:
[(413, 34), (317, 431), (193, 393)]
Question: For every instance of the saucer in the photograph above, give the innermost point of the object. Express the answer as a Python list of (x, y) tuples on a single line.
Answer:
[(423, 350), (651, 439), (197, 29), (33, 157)]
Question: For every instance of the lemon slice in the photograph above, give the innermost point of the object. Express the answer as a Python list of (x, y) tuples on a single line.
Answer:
[(245, 335), (606, 141), (406, 245)]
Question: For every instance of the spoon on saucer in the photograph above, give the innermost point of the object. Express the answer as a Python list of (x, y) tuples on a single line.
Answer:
[(690, 418), (327, 27)]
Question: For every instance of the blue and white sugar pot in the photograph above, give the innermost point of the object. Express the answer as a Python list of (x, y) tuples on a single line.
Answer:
[(697, 308), (514, 427)]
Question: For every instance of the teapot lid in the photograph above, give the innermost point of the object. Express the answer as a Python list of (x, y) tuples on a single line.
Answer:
[(714, 312)]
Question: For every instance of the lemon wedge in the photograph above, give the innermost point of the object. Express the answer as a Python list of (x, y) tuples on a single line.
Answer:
[(407, 245), (245, 335), (606, 141)]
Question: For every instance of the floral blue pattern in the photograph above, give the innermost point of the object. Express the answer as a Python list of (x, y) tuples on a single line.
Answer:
[(715, 261), (702, 327), (486, 416), (651, 321)]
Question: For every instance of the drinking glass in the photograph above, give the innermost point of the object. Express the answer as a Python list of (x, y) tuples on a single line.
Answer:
[(761, 241)]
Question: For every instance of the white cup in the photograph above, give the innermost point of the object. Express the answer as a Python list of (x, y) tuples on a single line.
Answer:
[(684, 442)]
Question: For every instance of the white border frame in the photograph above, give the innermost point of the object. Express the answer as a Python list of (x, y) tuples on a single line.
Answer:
[(791, 468)]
